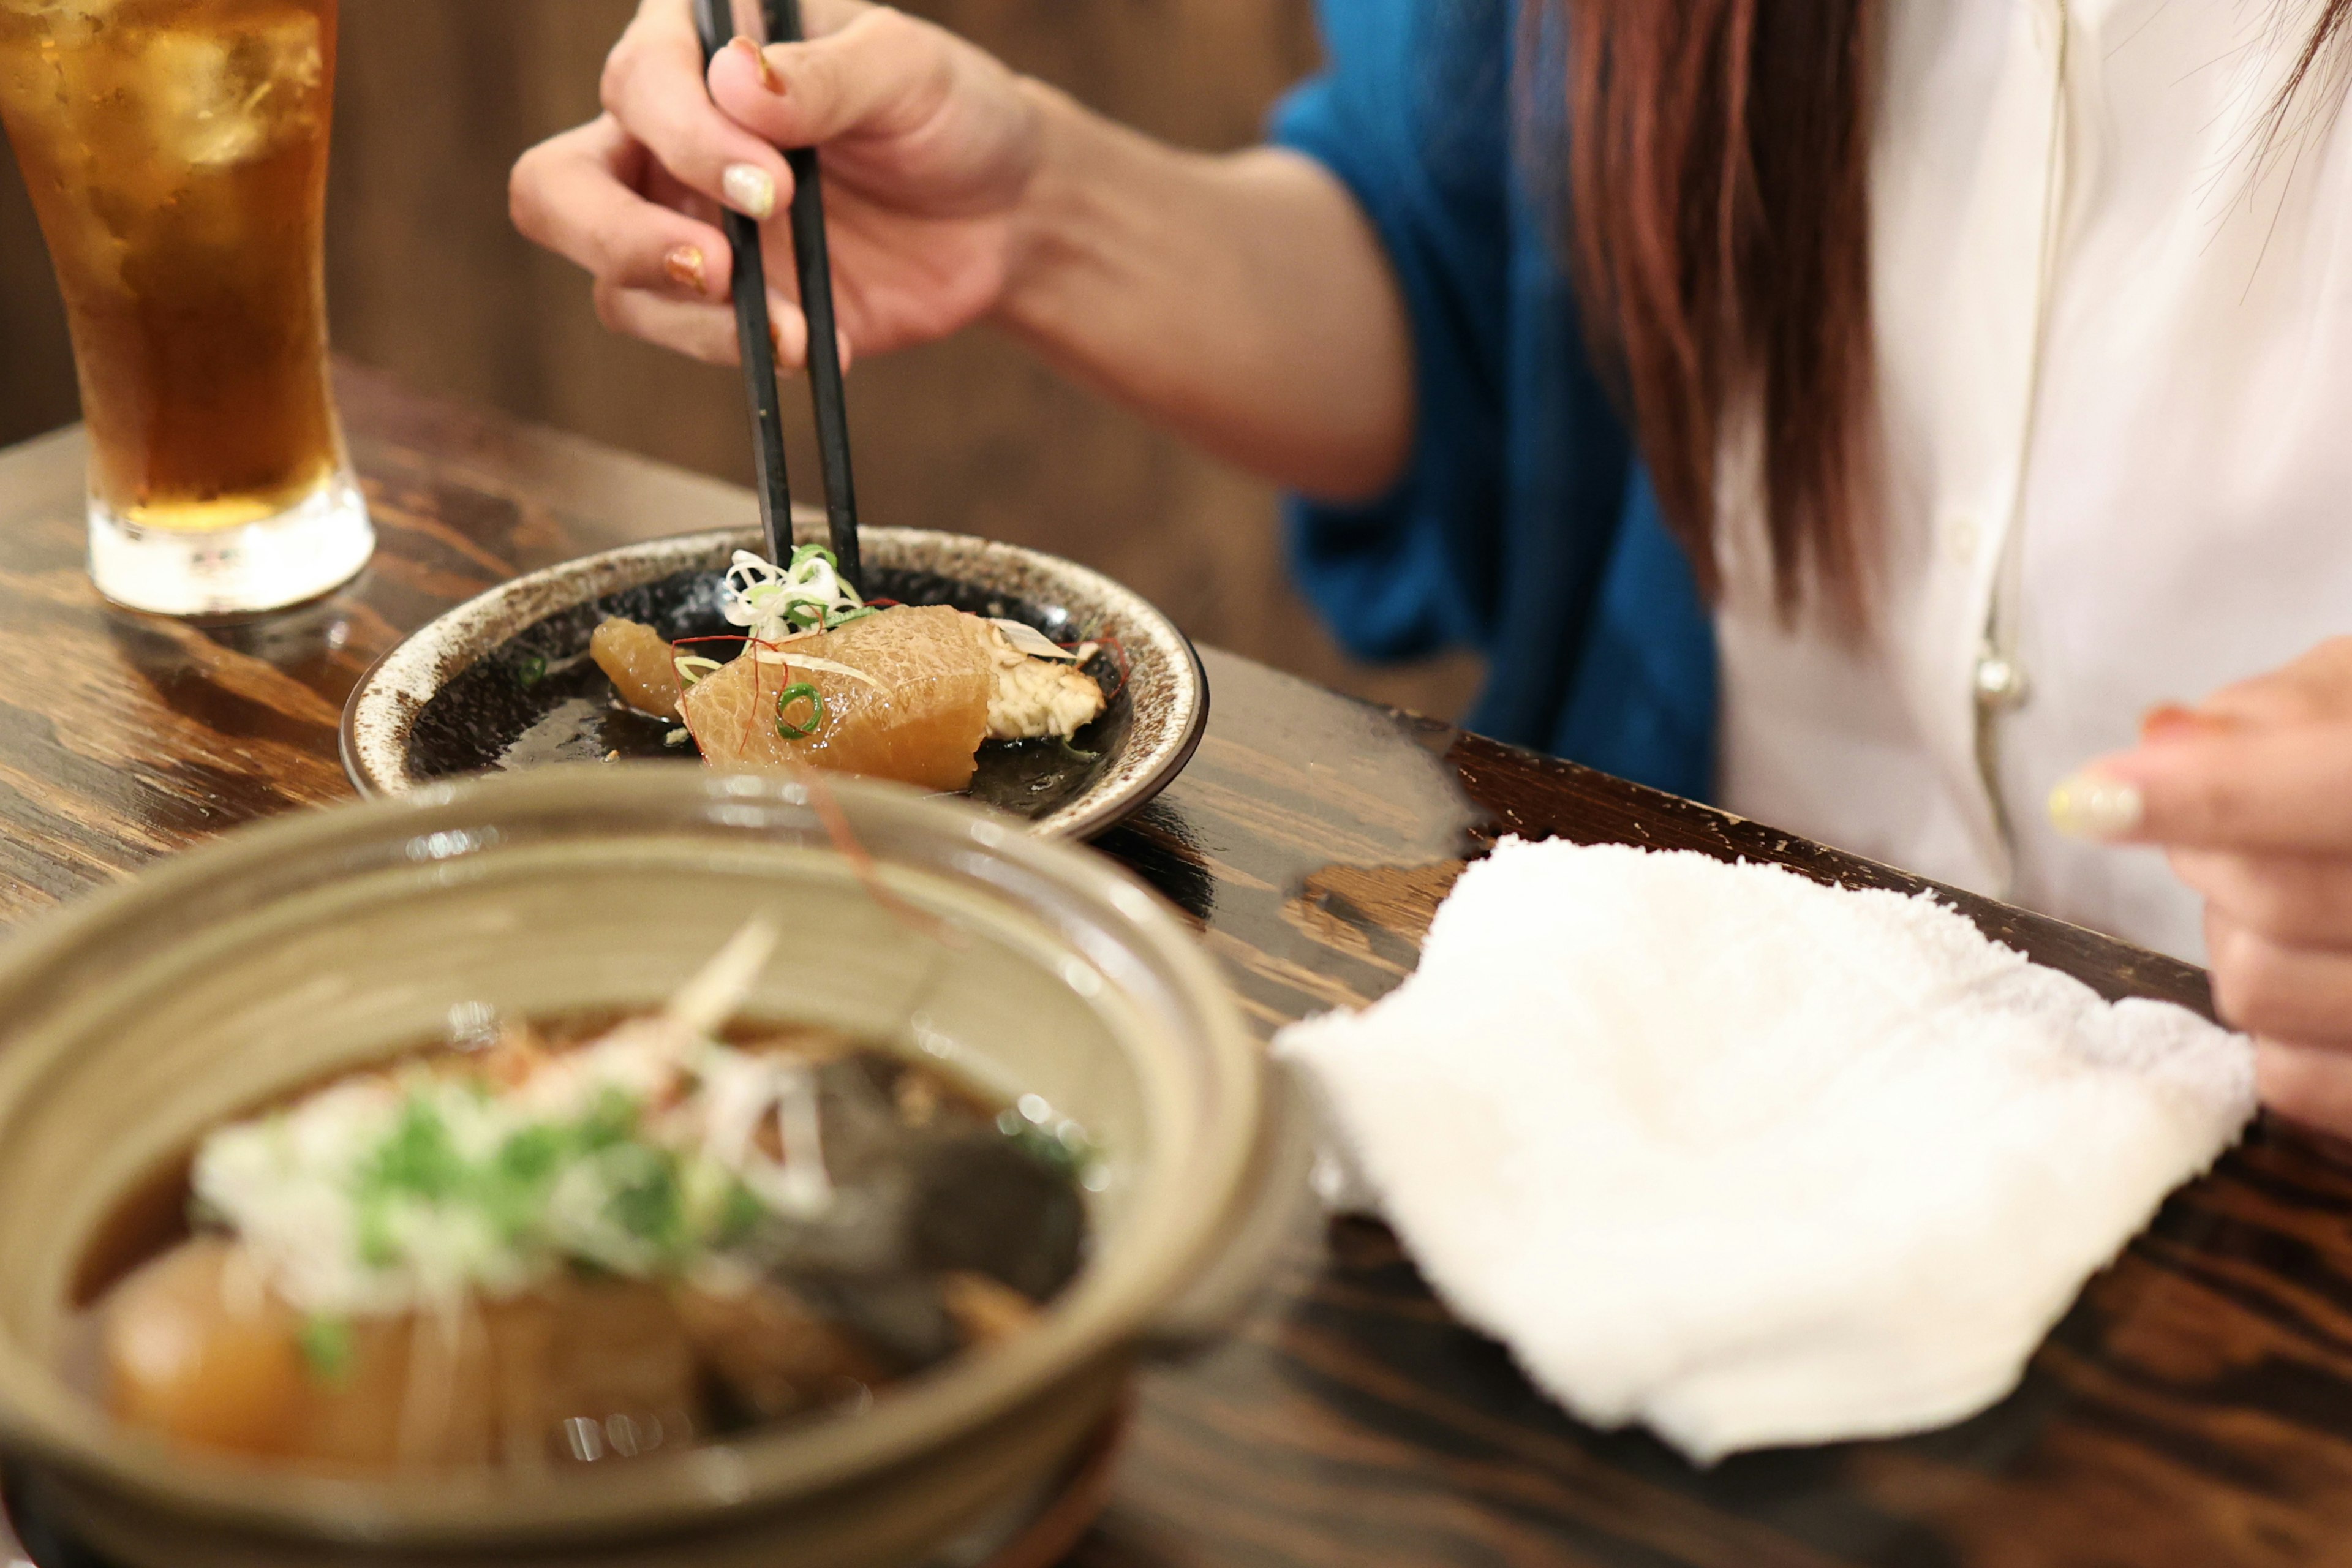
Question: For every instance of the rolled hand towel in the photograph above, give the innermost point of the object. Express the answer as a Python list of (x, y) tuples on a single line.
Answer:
[(1751, 1160)]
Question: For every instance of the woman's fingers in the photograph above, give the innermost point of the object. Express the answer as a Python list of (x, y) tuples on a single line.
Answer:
[(2276, 989), (705, 331), (2315, 687), (576, 195), (879, 71), (2251, 793), (654, 85), (2304, 900), (2309, 1084), (2259, 765), (2278, 789)]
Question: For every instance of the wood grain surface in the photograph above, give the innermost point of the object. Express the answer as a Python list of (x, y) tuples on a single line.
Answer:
[(2194, 1409)]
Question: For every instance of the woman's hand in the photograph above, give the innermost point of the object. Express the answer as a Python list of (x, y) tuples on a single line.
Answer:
[(930, 147), (2251, 793), (1242, 299)]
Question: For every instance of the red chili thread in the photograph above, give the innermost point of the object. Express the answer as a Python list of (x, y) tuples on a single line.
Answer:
[(846, 843), (759, 688)]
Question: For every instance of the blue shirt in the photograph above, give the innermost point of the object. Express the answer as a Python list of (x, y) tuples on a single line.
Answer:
[(1524, 526)]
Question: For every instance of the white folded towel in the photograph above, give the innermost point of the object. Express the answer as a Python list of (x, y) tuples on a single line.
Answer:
[(1751, 1160)]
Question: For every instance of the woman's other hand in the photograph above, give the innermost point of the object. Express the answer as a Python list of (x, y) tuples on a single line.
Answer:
[(2250, 794), (930, 146)]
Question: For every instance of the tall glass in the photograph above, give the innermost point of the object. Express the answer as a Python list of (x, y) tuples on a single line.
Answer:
[(176, 152)]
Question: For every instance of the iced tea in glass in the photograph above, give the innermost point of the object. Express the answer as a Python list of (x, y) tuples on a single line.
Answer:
[(176, 152)]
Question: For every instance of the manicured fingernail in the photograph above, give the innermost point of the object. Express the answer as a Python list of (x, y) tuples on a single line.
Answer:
[(2095, 806), (750, 191), (2171, 722), (683, 264), (768, 77)]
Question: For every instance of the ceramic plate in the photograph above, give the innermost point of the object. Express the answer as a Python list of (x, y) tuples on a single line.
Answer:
[(504, 681)]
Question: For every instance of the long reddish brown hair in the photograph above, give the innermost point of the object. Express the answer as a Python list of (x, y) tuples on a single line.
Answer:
[(1719, 159)]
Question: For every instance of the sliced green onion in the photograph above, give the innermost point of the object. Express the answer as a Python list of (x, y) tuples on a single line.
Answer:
[(327, 1348), (795, 693), (532, 670), (804, 617), (834, 623)]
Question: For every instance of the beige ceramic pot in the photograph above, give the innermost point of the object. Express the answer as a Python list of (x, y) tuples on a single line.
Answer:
[(225, 977)]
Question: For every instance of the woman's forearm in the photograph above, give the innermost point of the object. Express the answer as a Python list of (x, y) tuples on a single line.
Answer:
[(1243, 301)]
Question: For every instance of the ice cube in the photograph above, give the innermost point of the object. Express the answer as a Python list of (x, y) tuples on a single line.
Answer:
[(69, 24), (287, 56), (219, 100), (69, 10)]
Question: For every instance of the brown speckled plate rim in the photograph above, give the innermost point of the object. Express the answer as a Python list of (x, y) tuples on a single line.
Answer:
[(382, 708)]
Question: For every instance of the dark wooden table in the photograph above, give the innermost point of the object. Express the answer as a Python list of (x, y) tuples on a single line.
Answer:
[(2194, 1409)]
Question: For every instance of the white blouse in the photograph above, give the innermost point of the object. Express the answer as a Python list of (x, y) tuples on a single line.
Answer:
[(2115, 361)]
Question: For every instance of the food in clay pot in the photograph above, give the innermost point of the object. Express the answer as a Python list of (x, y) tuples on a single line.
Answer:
[(590, 1239)]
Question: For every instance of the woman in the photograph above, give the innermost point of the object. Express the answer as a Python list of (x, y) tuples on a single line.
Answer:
[(1988, 362)]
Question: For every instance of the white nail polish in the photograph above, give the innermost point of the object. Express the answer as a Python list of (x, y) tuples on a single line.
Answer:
[(750, 191), (2092, 806)]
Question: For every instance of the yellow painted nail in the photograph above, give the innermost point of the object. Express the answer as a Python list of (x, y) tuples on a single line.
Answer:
[(2095, 806)]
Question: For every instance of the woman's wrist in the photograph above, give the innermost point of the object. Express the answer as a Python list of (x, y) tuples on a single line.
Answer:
[(1058, 243), (1241, 300)]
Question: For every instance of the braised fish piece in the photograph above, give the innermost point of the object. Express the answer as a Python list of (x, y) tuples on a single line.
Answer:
[(1036, 699)]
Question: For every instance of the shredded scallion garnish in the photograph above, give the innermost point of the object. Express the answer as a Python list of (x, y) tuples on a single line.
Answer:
[(805, 595), (633, 1154)]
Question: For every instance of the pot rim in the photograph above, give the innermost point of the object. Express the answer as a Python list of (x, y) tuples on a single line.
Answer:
[(1103, 1316)]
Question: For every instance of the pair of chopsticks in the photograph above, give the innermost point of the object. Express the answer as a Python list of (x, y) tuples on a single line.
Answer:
[(715, 21)]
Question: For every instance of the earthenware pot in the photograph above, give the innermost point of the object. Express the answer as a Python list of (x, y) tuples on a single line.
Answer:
[(234, 974)]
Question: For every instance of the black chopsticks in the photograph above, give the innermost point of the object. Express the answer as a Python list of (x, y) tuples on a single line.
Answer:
[(813, 254), (715, 21)]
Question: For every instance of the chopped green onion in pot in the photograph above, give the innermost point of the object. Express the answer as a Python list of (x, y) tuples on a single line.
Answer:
[(327, 1349), (799, 691)]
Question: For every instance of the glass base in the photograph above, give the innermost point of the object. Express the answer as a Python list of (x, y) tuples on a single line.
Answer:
[(318, 544)]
